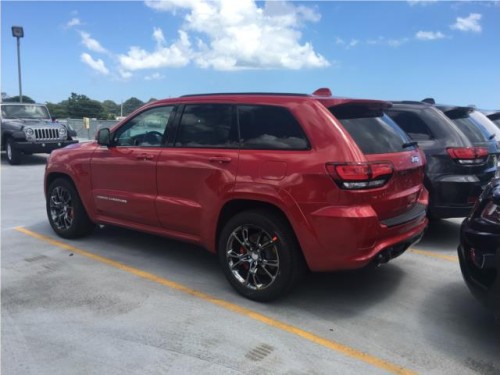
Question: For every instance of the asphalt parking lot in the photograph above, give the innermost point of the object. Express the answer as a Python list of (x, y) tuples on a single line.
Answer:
[(124, 302)]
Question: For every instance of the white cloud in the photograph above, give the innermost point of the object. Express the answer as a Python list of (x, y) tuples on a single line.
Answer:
[(421, 2), (388, 42), (98, 65), (176, 55), (234, 35), (154, 76), (158, 36), (91, 43), (124, 74), (348, 45), (73, 22), (467, 24), (429, 35), (353, 43)]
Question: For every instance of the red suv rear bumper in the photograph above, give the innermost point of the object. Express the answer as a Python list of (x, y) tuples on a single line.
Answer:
[(353, 237)]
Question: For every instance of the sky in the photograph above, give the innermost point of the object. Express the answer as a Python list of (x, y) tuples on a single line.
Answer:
[(392, 50)]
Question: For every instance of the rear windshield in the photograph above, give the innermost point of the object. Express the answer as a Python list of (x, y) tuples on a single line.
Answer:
[(486, 123), (372, 130), (472, 130)]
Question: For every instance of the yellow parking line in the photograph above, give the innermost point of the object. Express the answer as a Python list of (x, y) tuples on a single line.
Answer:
[(449, 258), (346, 350)]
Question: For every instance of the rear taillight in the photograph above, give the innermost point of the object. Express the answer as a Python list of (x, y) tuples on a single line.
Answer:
[(355, 176), (468, 155)]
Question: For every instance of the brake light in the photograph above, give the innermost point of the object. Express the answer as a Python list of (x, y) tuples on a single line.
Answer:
[(355, 176), (468, 155)]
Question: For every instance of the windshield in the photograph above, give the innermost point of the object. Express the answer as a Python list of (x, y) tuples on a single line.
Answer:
[(25, 111), (373, 131)]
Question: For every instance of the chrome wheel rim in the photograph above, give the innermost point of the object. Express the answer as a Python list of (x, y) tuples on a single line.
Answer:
[(252, 257), (61, 208)]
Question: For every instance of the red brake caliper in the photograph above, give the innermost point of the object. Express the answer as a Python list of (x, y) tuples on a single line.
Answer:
[(245, 266)]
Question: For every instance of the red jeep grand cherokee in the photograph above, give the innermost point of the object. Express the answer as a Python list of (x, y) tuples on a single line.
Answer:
[(272, 183)]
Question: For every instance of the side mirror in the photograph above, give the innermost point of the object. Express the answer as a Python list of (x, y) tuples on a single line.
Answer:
[(104, 137)]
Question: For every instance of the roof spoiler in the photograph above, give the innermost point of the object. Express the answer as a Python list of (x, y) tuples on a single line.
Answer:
[(323, 91), (429, 101)]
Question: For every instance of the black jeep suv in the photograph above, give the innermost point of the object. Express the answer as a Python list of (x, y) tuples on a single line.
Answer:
[(459, 162)]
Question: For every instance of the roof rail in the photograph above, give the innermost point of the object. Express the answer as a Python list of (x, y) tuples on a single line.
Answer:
[(245, 93)]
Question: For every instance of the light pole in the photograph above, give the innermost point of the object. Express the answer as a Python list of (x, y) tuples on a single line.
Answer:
[(18, 32)]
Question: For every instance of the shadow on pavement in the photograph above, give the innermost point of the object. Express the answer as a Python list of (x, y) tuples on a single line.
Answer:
[(451, 308)]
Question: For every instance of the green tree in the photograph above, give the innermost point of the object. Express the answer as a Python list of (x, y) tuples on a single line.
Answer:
[(82, 106), (59, 110), (111, 109), (15, 99), (130, 105), (152, 100)]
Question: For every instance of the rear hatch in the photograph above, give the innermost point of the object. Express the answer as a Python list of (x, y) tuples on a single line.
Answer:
[(478, 128), (480, 131), (393, 161)]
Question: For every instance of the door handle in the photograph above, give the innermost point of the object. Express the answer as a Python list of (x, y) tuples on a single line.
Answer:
[(219, 159), (145, 157)]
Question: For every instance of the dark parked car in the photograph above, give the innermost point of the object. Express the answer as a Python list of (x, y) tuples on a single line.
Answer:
[(460, 162), (468, 119), (479, 250), (266, 181)]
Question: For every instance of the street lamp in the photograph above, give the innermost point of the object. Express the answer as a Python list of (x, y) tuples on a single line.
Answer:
[(18, 32)]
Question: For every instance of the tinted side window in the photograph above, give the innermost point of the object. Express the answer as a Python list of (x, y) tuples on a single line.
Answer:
[(146, 129), (412, 124), (207, 126), (270, 128), (373, 131)]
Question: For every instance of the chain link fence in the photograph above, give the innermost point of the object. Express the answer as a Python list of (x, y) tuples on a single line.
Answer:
[(84, 133)]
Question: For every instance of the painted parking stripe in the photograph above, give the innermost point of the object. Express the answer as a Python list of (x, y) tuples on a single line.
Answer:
[(332, 345), (433, 254)]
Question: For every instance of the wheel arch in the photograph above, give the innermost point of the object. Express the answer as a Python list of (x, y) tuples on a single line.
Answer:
[(235, 206), (51, 177)]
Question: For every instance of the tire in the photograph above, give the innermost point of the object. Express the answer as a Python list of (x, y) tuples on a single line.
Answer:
[(66, 213), (13, 154), (260, 255)]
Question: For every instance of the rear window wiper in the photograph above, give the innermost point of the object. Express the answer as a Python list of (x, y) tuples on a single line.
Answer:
[(410, 144)]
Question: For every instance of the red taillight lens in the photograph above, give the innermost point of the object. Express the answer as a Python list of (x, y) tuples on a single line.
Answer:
[(360, 175), (468, 155)]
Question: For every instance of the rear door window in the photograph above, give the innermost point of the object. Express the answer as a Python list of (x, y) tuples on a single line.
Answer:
[(207, 126), (372, 130), (270, 128)]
